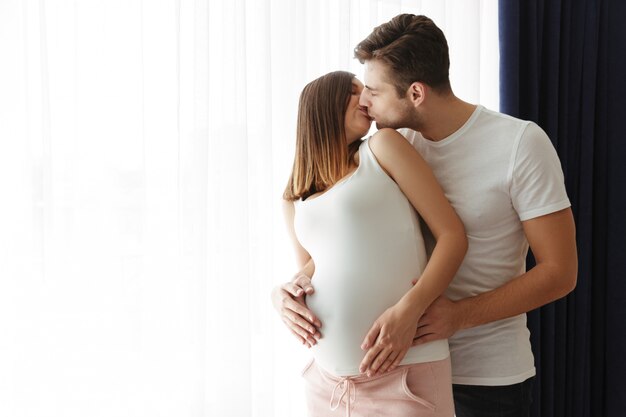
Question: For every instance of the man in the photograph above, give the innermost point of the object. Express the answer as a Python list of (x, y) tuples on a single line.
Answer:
[(503, 177)]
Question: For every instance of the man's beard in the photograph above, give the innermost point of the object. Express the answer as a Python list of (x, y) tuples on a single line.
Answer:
[(396, 124), (407, 119), (381, 124)]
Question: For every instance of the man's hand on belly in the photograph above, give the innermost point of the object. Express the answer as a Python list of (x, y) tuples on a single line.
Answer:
[(288, 300), (439, 321)]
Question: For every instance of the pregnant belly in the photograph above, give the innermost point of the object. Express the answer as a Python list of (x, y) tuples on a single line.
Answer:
[(347, 308)]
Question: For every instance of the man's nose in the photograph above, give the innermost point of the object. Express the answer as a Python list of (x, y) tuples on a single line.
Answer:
[(363, 101)]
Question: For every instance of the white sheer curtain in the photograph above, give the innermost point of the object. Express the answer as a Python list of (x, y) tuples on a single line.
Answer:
[(144, 146)]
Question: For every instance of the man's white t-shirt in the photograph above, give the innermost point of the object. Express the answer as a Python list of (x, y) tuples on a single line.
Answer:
[(497, 171)]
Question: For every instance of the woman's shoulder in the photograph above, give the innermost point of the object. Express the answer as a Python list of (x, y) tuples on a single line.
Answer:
[(388, 140)]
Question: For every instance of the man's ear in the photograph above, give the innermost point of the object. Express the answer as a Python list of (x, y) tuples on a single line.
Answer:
[(416, 93)]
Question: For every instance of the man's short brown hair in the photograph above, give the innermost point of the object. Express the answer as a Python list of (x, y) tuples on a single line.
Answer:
[(413, 48)]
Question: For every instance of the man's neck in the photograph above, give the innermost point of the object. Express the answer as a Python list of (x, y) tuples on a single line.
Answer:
[(444, 117)]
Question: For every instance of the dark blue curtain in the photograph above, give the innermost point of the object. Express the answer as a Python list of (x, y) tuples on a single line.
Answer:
[(563, 65)]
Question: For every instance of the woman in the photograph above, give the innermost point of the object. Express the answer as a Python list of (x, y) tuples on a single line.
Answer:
[(350, 206)]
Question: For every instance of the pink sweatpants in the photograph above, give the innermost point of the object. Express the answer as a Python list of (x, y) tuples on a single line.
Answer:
[(423, 389)]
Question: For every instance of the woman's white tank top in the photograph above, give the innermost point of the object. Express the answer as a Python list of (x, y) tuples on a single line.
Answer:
[(364, 237)]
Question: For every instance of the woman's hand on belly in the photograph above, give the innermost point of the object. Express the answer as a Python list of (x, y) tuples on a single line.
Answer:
[(388, 340), (288, 300)]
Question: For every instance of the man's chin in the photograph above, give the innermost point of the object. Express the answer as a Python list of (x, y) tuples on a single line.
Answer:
[(381, 125)]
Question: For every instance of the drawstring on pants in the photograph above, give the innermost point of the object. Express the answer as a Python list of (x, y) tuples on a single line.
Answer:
[(348, 391)]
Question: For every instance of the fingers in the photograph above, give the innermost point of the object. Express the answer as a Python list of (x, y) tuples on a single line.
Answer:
[(301, 321), (378, 361), (297, 335), (397, 361), (425, 339), (391, 364), (425, 334), (294, 289), (386, 360), (288, 300), (370, 337), (300, 315), (303, 283), (298, 320), (387, 363), (297, 305), (303, 330), (370, 356)]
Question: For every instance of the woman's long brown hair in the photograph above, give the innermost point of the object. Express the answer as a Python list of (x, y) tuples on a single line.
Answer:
[(322, 154)]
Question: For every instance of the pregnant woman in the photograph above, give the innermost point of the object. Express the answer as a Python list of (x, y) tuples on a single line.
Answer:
[(352, 206)]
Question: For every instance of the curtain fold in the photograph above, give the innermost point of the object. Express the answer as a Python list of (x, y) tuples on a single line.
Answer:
[(562, 66)]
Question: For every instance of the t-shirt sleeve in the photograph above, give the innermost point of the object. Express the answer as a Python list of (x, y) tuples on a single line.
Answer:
[(537, 182), (408, 134)]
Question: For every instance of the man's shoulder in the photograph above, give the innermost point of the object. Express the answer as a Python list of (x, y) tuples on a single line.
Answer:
[(503, 128), (495, 117)]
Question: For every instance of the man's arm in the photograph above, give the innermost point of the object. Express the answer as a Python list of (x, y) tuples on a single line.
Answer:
[(553, 242)]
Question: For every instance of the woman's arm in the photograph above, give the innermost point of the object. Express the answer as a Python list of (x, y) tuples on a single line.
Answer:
[(392, 333), (288, 298), (289, 212)]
